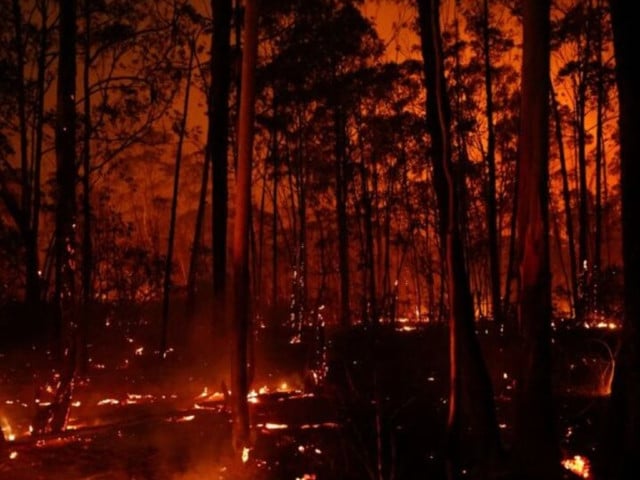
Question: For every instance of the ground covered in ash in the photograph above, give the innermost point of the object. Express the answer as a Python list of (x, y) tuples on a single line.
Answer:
[(357, 404)]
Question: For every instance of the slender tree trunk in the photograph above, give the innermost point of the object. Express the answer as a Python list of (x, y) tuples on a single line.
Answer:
[(166, 287), (535, 446), (217, 138), (494, 253), (274, 231), (471, 407), (597, 253), (65, 234), (194, 260), (87, 250), (299, 206), (240, 292), (32, 286), (371, 311), (341, 214), (583, 207), (624, 440), (567, 202)]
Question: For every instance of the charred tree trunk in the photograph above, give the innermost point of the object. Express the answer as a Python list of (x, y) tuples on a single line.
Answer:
[(87, 247), (29, 237), (624, 441), (566, 198), (239, 308), (196, 244), (166, 286), (218, 139), (597, 250), (65, 234), (494, 252), (341, 214), (471, 407), (535, 446), (583, 207), (274, 229)]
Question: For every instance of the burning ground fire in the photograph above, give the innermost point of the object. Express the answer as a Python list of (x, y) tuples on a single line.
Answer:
[(578, 465)]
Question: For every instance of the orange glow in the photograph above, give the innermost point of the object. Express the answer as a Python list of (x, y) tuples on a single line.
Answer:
[(579, 465)]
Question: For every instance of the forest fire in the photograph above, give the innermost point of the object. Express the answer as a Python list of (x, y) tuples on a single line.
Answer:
[(317, 239)]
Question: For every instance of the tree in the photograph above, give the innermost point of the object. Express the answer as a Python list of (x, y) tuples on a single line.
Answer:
[(536, 449), (181, 130), (624, 440), (65, 227), (239, 295), (471, 406), (217, 138)]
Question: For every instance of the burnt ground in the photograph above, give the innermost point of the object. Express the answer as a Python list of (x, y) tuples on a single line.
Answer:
[(357, 405)]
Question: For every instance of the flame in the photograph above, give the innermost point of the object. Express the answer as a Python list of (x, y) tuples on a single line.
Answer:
[(245, 455), (109, 401), (579, 465), (5, 427), (139, 351), (275, 426), (13, 455)]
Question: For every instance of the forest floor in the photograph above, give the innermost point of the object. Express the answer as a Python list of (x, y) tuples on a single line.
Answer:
[(378, 413)]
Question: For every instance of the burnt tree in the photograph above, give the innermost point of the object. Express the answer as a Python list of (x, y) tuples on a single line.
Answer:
[(472, 417), (536, 449), (624, 441)]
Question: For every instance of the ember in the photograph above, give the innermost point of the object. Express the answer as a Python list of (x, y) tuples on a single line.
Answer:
[(579, 465)]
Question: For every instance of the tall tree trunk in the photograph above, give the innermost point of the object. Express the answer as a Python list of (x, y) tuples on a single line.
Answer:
[(87, 250), (65, 234), (583, 207), (597, 252), (217, 137), (494, 253), (32, 284), (34, 281), (341, 214), (166, 286), (566, 198), (624, 441), (471, 406), (371, 309), (240, 312), (196, 244), (535, 445), (274, 231)]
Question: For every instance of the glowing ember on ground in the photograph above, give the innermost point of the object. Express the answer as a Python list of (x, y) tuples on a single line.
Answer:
[(307, 476), (252, 396), (139, 351), (184, 418), (275, 426), (13, 455), (579, 465), (109, 401), (245, 455)]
